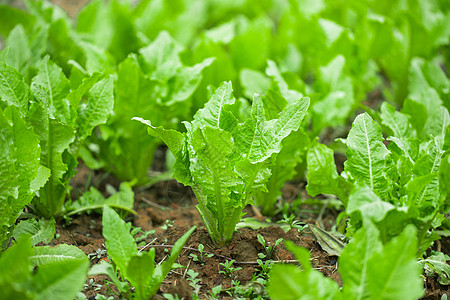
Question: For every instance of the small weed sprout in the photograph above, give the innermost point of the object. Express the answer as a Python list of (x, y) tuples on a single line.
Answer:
[(228, 268), (167, 224), (194, 283), (201, 257), (215, 291), (92, 285), (139, 238), (289, 223), (265, 268), (171, 297), (269, 248), (99, 253)]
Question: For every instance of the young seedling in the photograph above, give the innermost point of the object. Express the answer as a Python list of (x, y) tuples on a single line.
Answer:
[(265, 268), (194, 283), (228, 268), (167, 224), (215, 291), (136, 267), (140, 238), (201, 257), (99, 253), (269, 248), (288, 223), (92, 285)]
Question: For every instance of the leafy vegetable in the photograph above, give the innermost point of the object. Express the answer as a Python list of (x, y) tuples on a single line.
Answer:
[(19, 166), (369, 270), (437, 264), (390, 187), (227, 162), (60, 273), (38, 231), (135, 266), (93, 199), (158, 83)]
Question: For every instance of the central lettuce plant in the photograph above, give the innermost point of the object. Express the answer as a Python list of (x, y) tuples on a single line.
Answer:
[(227, 162)]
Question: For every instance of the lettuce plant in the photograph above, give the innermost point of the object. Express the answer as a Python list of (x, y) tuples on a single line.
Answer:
[(22, 174), (56, 120), (43, 272), (369, 270), (395, 185), (137, 267), (227, 162), (160, 85)]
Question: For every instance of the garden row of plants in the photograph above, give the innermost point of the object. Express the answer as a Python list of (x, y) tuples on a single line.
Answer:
[(246, 95)]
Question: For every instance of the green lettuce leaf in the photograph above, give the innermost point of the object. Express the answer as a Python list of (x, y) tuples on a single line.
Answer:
[(367, 156)]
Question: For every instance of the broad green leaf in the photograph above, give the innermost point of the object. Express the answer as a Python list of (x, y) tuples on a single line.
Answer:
[(250, 46), (15, 270), (96, 21), (213, 174), (19, 50), (284, 169), (423, 190), (367, 157), (162, 57), (118, 240), (51, 87), (93, 199), (97, 59), (39, 231), (338, 100), (291, 282), (394, 272), (364, 200), (187, 79), (19, 168), (12, 16), (436, 264), (213, 114), (61, 272), (107, 269), (253, 82), (322, 175), (257, 139), (46, 255), (140, 272), (99, 106), (353, 262), (172, 138), (13, 90), (397, 122), (55, 139)]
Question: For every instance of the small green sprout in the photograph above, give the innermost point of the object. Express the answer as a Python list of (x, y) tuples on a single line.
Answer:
[(228, 268), (201, 257), (171, 297), (140, 238), (194, 283), (215, 291), (265, 268), (92, 285), (269, 248), (168, 224), (288, 223), (99, 253)]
